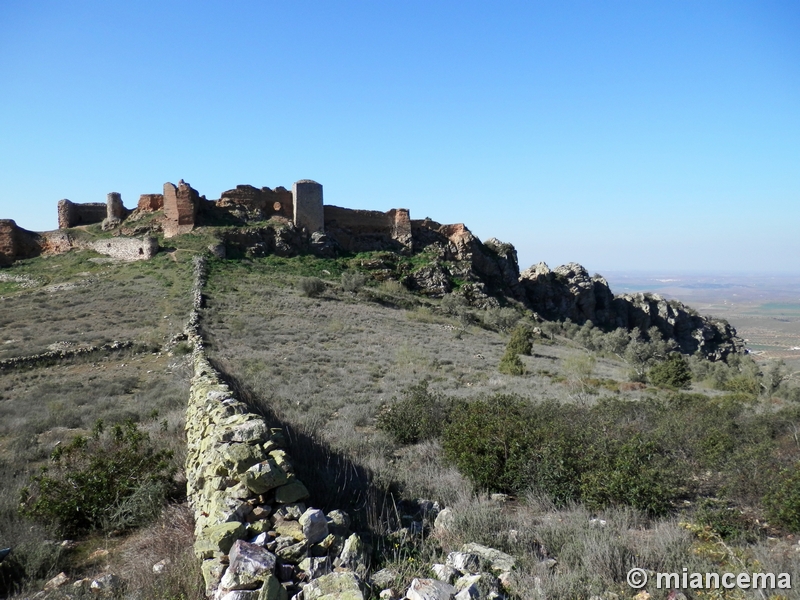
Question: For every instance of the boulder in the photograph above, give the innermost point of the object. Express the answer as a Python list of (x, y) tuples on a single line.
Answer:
[(334, 586), (465, 562), (444, 521), (290, 512), (500, 561), (430, 589), (272, 590), (56, 582), (354, 556), (444, 573), (106, 585), (264, 476), (249, 565), (315, 525)]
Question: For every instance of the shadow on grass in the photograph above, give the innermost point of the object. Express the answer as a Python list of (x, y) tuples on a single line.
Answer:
[(334, 480)]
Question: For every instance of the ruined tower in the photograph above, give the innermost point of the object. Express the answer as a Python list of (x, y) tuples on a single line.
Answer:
[(181, 204), (308, 211)]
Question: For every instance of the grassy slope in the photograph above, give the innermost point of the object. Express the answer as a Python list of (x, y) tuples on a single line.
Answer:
[(326, 366), (81, 300)]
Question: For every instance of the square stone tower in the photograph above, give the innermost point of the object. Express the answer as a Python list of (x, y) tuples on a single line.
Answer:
[(308, 211)]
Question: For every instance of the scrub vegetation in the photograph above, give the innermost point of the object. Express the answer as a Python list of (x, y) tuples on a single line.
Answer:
[(581, 452)]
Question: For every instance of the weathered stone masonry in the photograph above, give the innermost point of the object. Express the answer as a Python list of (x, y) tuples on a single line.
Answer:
[(241, 486), (71, 214)]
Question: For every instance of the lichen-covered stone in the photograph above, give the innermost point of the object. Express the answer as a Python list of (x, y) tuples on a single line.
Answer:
[(430, 589), (500, 561), (218, 538), (334, 586), (294, 491), (354, 556), (264, 476), (289, 528), (237, 458), (273, 590)]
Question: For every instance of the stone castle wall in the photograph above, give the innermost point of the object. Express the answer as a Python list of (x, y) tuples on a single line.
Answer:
[(71, 214), (359, 230), (279, 201), (17, 243), (124, 248), (150, 202)]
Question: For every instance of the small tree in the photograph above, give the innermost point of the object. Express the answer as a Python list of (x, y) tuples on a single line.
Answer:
[(520, 342), (511, 364)]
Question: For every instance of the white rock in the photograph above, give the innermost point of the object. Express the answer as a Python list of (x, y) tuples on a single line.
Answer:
[(430, 589), (315, 525), (444, 573), (57, 581)]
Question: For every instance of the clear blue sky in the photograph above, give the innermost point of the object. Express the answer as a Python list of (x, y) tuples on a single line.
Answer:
[(621, 135)]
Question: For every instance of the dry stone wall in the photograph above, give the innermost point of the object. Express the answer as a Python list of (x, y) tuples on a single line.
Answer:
[(255, 537)]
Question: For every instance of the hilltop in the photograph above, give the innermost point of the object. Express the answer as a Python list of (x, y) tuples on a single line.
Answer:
[(423, 255), (391, 379)]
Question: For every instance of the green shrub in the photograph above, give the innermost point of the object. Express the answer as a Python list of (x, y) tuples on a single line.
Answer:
[(311, 286), (110, 481), (419, 415), (182, 348), (783, 499), (673, 372), (728, 523), (630, 472), (511, 364), (744, 383), (489, 440)]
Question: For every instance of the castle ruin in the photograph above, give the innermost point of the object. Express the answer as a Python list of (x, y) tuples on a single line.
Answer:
[(181, 208)]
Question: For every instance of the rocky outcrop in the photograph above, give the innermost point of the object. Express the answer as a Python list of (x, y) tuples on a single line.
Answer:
[(568, 292)]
